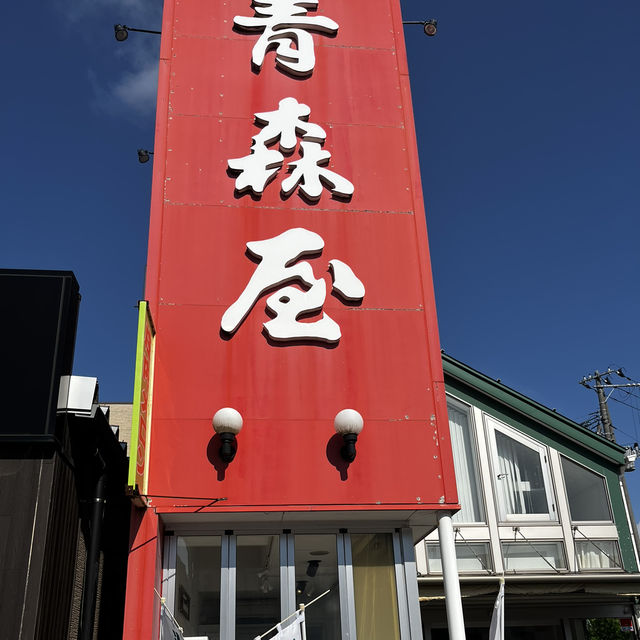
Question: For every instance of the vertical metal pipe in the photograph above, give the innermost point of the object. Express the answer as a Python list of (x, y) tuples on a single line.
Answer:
[(89, 593), (452, 597)]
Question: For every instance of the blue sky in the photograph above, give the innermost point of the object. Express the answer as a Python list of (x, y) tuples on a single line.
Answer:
[(528, 135)]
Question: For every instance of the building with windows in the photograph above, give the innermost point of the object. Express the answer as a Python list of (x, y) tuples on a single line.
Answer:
[(64, 514), (543, 505)]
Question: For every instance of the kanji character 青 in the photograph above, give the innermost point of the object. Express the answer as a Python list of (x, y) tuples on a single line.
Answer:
[(285, 25)]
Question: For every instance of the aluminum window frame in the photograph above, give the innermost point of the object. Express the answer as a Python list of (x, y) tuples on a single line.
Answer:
[(490, 571), (566, 495), (551, 516), (468, 410), (404, 568), (529, 543)]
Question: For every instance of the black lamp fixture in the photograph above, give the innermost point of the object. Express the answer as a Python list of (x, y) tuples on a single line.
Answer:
[(430, 26), (348, 423), (227, 423), (122, 31), (312, 568), (143, 155)]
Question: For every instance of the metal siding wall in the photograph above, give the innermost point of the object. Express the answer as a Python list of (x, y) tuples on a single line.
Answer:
[(58, 570)]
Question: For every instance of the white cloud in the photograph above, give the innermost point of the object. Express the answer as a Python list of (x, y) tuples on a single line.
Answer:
[(133, 94), (137, 89)]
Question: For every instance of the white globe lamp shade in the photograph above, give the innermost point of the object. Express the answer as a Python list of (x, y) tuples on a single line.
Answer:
[(227, 420), (348, 421)]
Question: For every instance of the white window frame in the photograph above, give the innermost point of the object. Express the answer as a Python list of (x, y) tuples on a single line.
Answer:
[(470, 413), (566, 495), (492, 425), (619, 567), (489, 571), (533, 542)]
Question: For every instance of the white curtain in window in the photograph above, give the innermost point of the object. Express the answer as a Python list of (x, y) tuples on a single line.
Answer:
[(590, 557), (520, 477), (465, 467), (508, 474)]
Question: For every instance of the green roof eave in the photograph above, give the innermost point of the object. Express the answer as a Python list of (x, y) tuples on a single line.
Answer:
[(532, 409)]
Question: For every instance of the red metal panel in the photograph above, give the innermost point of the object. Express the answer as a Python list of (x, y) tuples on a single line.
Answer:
[(142, 607), (386, 364)]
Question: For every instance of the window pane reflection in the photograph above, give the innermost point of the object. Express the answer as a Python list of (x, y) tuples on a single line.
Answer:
[(197, 595), (597, 554), (543, 556), (588, 499), (374, 583), (520, 477), (257, 585), (316, 563), (472, 556)]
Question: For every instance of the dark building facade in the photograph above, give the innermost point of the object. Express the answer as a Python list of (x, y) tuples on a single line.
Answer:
[(63, 509)]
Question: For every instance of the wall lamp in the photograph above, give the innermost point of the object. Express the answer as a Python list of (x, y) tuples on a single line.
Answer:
[(430, 26), (143, 155), (122, 31), (348, 423), (227, 423)]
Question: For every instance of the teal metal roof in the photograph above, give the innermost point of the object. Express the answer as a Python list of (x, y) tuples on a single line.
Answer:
[(533, 410)]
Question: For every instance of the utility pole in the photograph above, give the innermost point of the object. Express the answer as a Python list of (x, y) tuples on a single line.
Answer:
[(605, 416), (602, 381)]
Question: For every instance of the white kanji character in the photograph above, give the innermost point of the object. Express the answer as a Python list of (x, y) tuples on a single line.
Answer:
[(309, 173), (345, 282), (288, 121), (285, 24), (257, 168), (284, 125), (276, 267), (289, 303)]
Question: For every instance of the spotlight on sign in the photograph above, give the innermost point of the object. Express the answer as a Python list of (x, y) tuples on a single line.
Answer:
[(144, 155), (430, 27), (227, 423), (348, 423), (121, 32)]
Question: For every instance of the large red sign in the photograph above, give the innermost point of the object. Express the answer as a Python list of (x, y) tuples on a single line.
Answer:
[(288, 269)]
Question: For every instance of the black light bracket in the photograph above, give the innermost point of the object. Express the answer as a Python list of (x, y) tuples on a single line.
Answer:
[(348, 451), (430, 26), (122, 31), (229, 447)]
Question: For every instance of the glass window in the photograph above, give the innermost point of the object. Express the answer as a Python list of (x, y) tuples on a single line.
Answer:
[(197, 585), (597, 554), (374, 583), (586, 492), (522, 476), (535, 556), (316, 562), (473, 556), (257, 585), (464, 461)]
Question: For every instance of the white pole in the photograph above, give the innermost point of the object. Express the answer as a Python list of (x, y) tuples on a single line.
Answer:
[(452, 598)]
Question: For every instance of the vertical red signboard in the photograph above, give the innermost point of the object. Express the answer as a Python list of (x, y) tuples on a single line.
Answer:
[(289, 271)]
